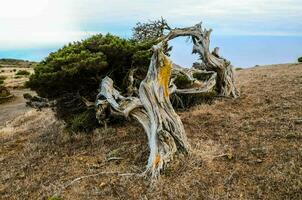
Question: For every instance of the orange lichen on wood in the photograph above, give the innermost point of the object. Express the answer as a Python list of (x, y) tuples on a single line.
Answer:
[(164, 74), (156, 160)]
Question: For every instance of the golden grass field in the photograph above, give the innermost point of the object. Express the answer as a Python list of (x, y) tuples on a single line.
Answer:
[(12, 80), (247, 148)]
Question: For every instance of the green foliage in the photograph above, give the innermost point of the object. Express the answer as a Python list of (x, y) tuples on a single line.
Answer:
[(182, 101), (182, 82), (80, 66), (238, 68), (83, 122), (15, 62), (23, 72), (300, 59), (11, 60), (54, 198), (77, 69), (1, 82)]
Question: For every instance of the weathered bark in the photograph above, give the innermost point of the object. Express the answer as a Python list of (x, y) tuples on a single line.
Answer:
[(151, 105), (225, 81), (152, 109)]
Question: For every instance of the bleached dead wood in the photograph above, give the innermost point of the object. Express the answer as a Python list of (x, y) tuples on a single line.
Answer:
[(225, 81), (201, 81), (152, 109)]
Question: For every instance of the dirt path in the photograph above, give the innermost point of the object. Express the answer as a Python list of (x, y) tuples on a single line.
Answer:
[(14, 108)]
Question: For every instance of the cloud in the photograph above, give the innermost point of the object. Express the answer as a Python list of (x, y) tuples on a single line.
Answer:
[(55, 22), (36, 23)]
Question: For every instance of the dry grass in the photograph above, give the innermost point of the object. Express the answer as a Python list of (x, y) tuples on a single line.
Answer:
[(248, 148), (13, 80)]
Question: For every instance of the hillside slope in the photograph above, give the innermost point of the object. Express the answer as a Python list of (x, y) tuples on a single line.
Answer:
[(16, 63), (248, 148)]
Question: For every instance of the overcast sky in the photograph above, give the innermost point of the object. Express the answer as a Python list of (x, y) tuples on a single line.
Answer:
[(50, 23)]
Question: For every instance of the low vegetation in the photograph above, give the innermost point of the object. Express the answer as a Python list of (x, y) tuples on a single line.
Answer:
[(77, 69), (16, 72), (22, 73), (5, 94), (2, 78), (300, 59), (8, 62)]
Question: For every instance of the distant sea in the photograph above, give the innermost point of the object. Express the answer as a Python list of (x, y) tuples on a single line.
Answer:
[(242, 51)]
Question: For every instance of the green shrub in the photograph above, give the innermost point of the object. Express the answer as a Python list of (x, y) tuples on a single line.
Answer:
[(23, 72), (80, 66), (14, 70), (1, 82), (54, 198), (239, 68), (83, 122), (2, 77), (182, 81), (4, 93), (76, 70), (300, 59)]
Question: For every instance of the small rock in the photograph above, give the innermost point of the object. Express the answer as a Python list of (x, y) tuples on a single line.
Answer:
[(259, 161), (102, 184)]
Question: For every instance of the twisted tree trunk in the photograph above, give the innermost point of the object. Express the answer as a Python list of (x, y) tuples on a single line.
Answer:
[(152, 109), (166, 131), (225, 81)]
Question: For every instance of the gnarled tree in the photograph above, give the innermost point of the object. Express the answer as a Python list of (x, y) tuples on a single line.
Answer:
[(152, 107)]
